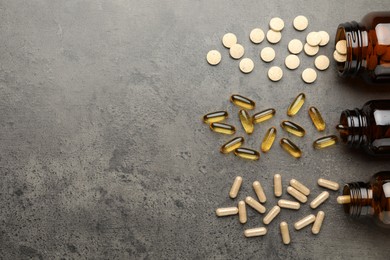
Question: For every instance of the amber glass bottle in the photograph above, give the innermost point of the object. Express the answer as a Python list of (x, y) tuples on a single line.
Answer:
[(369, 199), (367, 128), (368, 47)]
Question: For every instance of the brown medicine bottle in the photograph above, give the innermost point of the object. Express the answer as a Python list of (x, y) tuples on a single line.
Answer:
[(369, 199), (368, 47)]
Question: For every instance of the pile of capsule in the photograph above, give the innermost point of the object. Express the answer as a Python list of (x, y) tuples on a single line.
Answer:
[(296, 189), (215, 119)]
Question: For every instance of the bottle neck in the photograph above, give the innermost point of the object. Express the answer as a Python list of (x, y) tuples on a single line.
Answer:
[(353, 127), (361, 199)]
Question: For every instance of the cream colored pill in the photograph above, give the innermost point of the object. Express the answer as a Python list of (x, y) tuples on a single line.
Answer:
[(319, 199), (295, 46), (236, 51), (313, 38), (318, 222), (310, 50), (328, 184), (213, 57), (304, 222), (229, 39), (309, 75), (322, 62), (339, 57), (296, 194), (256, 35), (267, 54), (246, 65), (341, 47), (255, 205), (278, 190), (292, 62), (276, 24), (222, 212), (259, 191), (346, 199), (324, 38), (274, 37), (300, 23), (285, 233), (255, 232), (242, 212), (300, 187), (275, 73), (288, 204), (271, 215), (235, 187)]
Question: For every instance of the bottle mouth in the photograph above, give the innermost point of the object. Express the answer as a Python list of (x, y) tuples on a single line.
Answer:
[(360, 199), (351, 128)]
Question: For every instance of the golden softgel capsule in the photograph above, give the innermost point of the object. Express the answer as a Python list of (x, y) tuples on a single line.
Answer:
[(215, 117), (242, 101), (317, 119), (293, 128), (263, 115), (268, 140), (290, 148), (232, 145), (223, 128), (325, 141), (296, 105), (247, 153), (246, 121)]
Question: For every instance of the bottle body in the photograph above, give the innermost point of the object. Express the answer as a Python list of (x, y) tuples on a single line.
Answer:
[(368, 47), (367, 128)]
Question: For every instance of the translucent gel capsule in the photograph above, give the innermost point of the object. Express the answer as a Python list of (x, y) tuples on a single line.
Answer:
[(263, 115), (324, 142), (316, 118), (246, 121), (232, 145), (296, 105), (247, 153), (215, 117), (268, 140), (243, 102), (290, 148), (223, 128), (293, 128)]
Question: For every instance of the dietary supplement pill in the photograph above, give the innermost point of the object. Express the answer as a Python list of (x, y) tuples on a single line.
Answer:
[(293, 128), (285, 233), (313, 38), (309, 75), (242, 212), (310, 50), (288, 204), (341, 47), (295, 46), (345, 199), (246, 153), (213, 57), (256, 35), (223, 128), (236, 51), (213, 117), (276, 24), (296, 194), (321, 62), (229, 39), (242, 101), (263, 115), (255, 205), (267, 54), (278, 189), (290, 148), (222, 212), (300, 23), (328, 184), (275, 73), (259, 191), (246, 121), (271, 215), (324, 38), (325, 141), (232, 145), (339, 57), (292, 62), (317, 119), (296, 105), (246, 65), (273, 36), (304, 222), (319, 199), (235, 187), (268, 140), (255, 232), (318, 222), (300, 187)]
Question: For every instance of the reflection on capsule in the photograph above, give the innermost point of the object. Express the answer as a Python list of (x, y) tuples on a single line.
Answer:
[(293, 128), (223, 128), (296, 105), (215, 117), (232, 145), (242, 101), (316, 118), (268, 140), (290, 147), (247, 153), (263, 115), (325, 141), (246, 121)]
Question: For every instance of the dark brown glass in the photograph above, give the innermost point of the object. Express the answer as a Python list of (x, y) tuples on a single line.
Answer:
[(367, 128), (370, 199), (368, 47)]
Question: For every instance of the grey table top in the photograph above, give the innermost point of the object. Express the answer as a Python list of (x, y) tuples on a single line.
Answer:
[(103, 153)]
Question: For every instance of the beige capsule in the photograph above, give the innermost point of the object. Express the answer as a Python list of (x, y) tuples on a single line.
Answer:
[(318, 222), (304, 222), (259, 191), (235, 187), (285, 233), (300, 187), (271, 215), (296, 194), (242, 212), (255, 232), (296, 105), (319, 199), (246, 121), (345, 199), (328, 184), (290, 148), (263, 115), (232, 145), (288, 204), (268, 139), (222, 212), (255, 205), (317, 119), (278, 189)]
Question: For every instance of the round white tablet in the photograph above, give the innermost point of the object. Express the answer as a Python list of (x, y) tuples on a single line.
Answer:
[(267, 54), (246, 65), (311, 50), (341, 47), (276, 24), (256, 35), (324, 38), (273, 37), (322, 62), (275, 73), (309, 75), (292, 62), (213, 57), (300, 23), (236, 51), (339, 57), (313, 38), (229, 39), (295, 46)]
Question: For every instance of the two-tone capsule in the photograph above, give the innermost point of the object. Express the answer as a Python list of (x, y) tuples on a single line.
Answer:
[(232, 145), (223, 128), (268, 140), (296, 105), (293, 128), (246, 121), (317, 119), (325, 141), (263, 115), (290, 148), (242, 101), (215, 117), (247, 153)]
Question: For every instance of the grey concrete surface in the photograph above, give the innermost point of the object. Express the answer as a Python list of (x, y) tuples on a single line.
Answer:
[(103, 154)]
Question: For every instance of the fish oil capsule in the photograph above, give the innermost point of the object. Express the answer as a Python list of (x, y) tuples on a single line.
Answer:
[(263, 115), (285, 233), (296, 194), (293, 128), (235, 187), (319, 199), (242, 102), (317, 119), (259, 191), (296, 105), (300, 187), (288, 204), (242, 212), (255, 232), (223, 128), (255, 205), (268, 140), (232, 145), (328, 184), (318, 222), (215, 117), (246, 121), (304, 222), (271, 215), (345, 199), (247, 153), (325, 141), (278, 185), (290, 147), (222, 212)]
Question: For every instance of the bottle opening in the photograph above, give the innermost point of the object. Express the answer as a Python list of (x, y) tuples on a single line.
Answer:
[(340, 35)]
